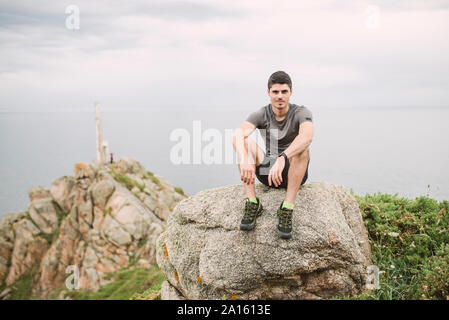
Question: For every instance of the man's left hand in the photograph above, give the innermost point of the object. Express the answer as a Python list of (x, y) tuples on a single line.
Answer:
[(275, 175)]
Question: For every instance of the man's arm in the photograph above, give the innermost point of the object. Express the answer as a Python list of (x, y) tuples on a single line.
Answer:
[(240, 134), (246, 161), (302, 140)]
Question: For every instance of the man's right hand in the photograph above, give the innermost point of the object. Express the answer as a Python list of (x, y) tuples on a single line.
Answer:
[(247, 173)]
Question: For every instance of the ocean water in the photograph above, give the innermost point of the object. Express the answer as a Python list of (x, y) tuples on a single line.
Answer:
[(390, 150)]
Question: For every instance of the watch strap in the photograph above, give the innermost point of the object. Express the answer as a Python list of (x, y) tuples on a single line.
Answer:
[(284, 155)]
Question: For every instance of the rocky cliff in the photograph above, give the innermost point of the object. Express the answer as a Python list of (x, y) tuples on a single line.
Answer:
[(97, 221), (204, 255)]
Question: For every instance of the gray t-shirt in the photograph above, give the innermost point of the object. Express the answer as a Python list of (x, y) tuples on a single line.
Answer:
[(283, 132)]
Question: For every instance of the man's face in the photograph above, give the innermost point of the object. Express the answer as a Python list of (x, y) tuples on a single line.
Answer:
[(279, 95)]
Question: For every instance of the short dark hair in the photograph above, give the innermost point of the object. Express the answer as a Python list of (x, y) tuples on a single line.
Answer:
[(279, 77)]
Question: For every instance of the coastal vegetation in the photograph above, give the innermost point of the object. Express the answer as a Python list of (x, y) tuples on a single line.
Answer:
[(409, 245)]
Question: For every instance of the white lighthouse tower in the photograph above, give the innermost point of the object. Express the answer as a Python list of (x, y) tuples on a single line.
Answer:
[(100, 157)]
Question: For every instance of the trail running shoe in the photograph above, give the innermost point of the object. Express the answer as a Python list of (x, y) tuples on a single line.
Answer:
[(251, 212), (285, 222)]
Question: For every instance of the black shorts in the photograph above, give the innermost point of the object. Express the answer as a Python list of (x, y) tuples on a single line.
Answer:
[(263, 170)]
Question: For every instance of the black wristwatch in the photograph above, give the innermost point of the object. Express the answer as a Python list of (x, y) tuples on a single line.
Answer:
[(285, 156)]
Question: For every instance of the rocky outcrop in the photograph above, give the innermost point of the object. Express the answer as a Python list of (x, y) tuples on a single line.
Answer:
[(204, 255), (98, 221)]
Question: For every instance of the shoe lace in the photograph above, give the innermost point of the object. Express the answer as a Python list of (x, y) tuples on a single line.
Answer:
[(285, 218), (250, 210)]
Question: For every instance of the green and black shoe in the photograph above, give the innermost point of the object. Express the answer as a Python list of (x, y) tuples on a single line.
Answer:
[(251, 212), (285, 222)]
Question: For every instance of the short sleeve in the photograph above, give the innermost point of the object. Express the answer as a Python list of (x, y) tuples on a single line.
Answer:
[(257, 118), (304, 114)]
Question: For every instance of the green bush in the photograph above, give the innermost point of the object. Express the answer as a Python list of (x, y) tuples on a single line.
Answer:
[(434, 276), (408, 243)]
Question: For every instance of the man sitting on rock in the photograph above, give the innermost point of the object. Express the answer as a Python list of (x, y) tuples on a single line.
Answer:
[(288, 132)]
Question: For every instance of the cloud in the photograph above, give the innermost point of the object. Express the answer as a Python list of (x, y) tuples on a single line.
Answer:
[(201, 52)]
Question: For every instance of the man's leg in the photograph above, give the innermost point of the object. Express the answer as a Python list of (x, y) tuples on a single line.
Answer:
[(296, 172), (255, 156), (253, 207)]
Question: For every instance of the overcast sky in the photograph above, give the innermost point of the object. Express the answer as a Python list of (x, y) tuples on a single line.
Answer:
[(218, 54)]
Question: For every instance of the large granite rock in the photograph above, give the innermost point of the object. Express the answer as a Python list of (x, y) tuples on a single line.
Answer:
[(204, 255)]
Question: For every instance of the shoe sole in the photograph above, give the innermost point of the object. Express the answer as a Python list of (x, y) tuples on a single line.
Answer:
[(248, 227), (284, 235)]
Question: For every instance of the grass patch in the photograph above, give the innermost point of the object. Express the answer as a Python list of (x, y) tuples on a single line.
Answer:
[(153, 292), (180, 191), (409, 244), (156, 181), (125, 180), (142, 242), (140, 186), (50, 237), (60, 213), (127, 283), (21, 289), (150, 175), (107, 211)]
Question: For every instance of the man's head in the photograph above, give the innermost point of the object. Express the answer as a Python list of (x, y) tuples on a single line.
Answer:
[(279, 89)]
